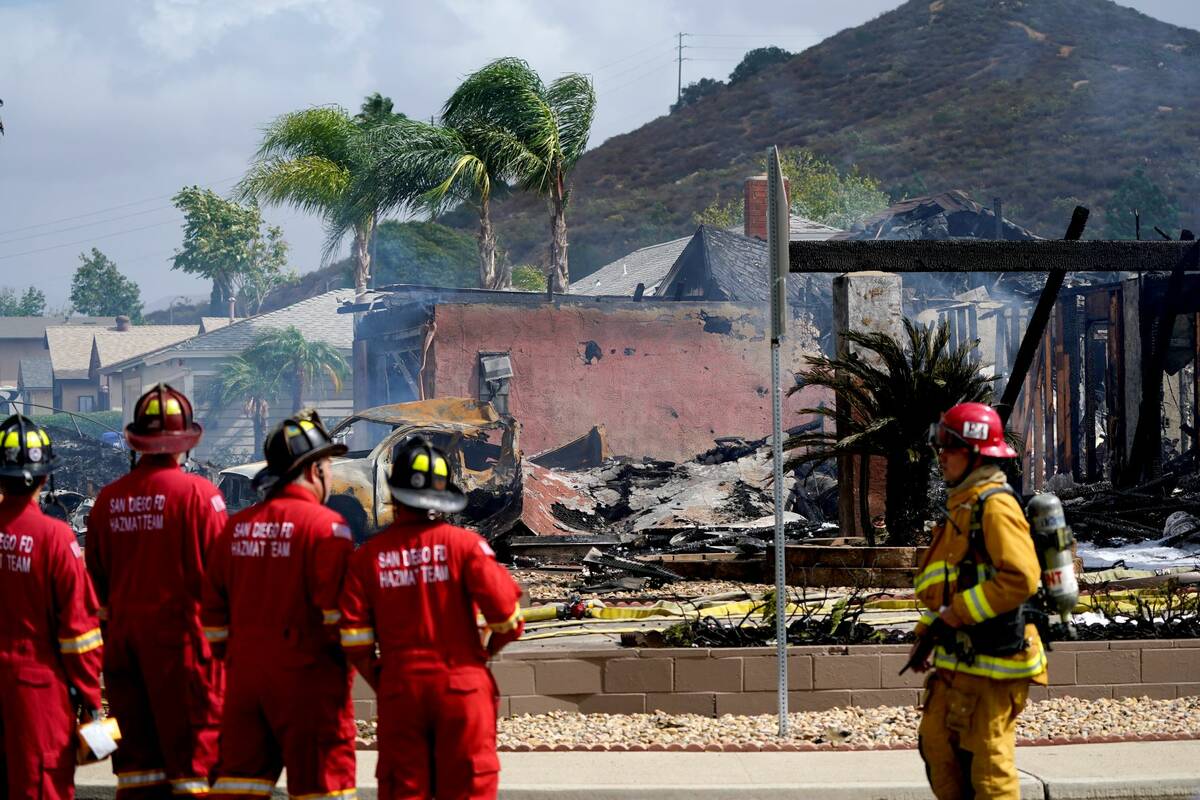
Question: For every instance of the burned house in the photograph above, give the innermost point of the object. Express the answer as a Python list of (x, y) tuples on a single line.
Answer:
[(664, 377)]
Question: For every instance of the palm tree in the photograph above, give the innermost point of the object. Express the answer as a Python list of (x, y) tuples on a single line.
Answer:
[(886, 402), (242, 381), (536, 131), (296, 361), (421, 166), (376, 109), (308, 159)]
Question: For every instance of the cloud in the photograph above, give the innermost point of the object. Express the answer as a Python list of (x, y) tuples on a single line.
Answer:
[(179, 29)]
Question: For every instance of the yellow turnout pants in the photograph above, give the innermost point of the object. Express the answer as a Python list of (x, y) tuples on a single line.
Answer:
[(967, 735)]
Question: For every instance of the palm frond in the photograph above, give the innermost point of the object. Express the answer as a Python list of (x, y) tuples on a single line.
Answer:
[(324, 131), (573, 98), (308, 183)]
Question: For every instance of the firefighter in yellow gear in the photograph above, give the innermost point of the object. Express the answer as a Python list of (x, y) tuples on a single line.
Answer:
[(974, 579)]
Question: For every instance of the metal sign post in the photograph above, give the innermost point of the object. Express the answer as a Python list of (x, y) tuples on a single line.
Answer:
[(778, 235)]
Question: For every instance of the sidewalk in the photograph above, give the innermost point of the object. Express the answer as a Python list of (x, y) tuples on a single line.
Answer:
[(1124, 771)]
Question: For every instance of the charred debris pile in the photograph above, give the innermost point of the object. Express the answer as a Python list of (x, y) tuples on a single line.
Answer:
[(601, 518)]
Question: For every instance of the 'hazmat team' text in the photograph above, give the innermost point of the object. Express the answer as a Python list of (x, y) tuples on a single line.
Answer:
[(16, 552), (413, 565), (258, 539)]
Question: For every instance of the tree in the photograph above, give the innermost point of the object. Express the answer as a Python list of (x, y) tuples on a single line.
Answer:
[(817, 190), (31, 304), (756, 61), (420, 166), (529, 278), (98, 289), (309, 160), (242, 381), (296, 361), (886, 400), (224, 241), (1138, 193), (537, 131), (695, 92), (376, 110)]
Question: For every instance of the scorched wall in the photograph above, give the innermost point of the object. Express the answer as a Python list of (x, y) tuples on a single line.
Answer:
[(664, 379)]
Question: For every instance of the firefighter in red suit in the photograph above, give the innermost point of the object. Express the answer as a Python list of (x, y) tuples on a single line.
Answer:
[(50, 645), (409, 625), (271, 602), (147, 536)]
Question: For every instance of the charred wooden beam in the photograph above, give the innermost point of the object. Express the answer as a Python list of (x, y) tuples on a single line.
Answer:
[(982, 255), (1041, 315)]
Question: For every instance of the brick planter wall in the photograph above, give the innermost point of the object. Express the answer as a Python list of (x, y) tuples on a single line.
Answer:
[(742, 680)]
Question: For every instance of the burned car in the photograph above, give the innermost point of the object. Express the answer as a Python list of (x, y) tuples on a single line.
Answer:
[(482, 447)]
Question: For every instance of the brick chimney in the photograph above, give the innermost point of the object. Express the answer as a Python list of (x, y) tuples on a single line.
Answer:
[(755, 223), (122, 323)]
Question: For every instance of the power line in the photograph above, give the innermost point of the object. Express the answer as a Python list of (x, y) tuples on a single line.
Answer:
[(86, 225), (634, 79), (638, 66), (658, 43), (90, 239), (807, 36), (221, 182)]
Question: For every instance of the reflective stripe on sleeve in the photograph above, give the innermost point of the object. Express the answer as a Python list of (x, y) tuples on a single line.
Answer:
[(214, 635), (81, 644), (189, 786), (130, 780), (977, 604), (343, 794), (508, 624), (935, 573), (254, 786), (331, 616), (928, 617), (357, 637)]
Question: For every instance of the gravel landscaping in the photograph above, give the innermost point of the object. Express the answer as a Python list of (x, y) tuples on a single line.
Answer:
[(1055, 720)]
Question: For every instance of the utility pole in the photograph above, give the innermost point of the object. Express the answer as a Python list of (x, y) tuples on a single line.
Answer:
[(679, 79)]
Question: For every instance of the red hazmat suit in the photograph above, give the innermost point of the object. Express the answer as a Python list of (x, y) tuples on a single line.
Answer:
[(413, 592), (270, 601), (49, 643), (147, 536)]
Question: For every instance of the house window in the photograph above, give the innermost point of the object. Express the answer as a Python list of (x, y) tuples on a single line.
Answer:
[(495, 376), (86, 404)]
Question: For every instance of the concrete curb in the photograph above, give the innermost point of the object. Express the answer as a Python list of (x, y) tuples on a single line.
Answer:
[(1116, 771)]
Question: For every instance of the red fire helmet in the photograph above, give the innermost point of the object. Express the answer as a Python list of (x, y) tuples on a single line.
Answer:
[(162, 422), (975, 426)]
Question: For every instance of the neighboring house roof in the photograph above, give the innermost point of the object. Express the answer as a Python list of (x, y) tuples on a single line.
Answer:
[(210, 324), (35, 373), (720, 265), (649, 265), (35, 327), (70, 349), (317, 318), (109, 347)]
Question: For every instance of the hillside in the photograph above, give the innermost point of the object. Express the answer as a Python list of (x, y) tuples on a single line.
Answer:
[(1044, 103)]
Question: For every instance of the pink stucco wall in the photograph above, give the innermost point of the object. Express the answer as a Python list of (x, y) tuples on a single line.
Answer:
[(663, 385)]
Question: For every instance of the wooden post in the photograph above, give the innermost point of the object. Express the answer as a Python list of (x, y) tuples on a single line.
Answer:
[(1115, 385), (1196, 388), (1047, 407)]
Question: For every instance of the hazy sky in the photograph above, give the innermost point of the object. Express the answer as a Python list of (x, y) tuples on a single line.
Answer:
[(111, 107)]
